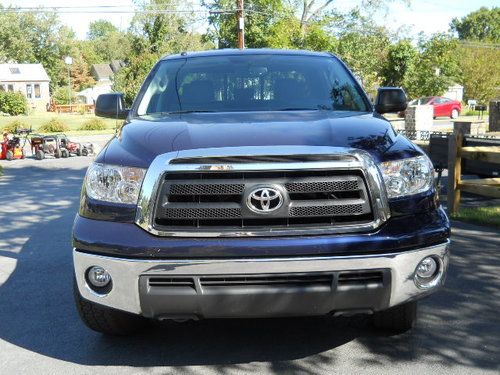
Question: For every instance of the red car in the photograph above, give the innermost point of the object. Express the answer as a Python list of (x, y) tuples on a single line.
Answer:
[(443, 107)]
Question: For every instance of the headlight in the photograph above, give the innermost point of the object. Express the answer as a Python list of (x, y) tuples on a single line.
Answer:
[(407, 176), (112, 183)]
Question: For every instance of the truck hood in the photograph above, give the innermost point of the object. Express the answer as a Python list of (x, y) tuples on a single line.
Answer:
[(140, 141)]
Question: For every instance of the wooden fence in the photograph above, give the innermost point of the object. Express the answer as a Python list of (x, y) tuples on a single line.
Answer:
[(489, 187), (73, 108)]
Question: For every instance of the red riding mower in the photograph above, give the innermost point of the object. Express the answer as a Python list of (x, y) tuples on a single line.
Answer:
[(73, 148), (48, 145), (12, 148)]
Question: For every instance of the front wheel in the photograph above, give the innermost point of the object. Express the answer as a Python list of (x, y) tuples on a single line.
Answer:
[(9, 155), (454, 114), (64, 153), (105, 320), (397, 319)]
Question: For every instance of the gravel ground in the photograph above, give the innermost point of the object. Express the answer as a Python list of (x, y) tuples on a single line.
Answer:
[(40, 332)]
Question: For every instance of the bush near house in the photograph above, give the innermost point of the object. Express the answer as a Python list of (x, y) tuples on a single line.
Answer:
[(13, 125), (93, 124), (53, 126), (13, 103)]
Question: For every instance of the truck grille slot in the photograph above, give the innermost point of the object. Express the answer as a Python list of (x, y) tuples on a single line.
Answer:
[(171, 282), (266, 280), (219, 200), (361, 278)]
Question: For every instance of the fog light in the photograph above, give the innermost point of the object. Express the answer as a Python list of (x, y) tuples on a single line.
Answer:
[(428, 273), (98, 277), (427, 268)]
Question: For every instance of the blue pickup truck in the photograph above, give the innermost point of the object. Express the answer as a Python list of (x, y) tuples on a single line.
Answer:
[(256, 183)]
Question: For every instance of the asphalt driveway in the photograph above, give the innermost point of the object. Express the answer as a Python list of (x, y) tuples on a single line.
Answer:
[(40, 332)]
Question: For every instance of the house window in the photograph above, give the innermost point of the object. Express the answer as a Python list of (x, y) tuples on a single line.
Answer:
[(15, 70), (38, 93), (29, 91), (10, 88), (2, 88)]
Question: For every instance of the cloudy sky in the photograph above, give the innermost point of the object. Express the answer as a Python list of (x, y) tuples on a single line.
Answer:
[(428, 16)]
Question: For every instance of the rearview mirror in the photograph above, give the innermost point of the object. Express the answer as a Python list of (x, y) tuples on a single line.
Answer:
[(390, 99), (111, 106)]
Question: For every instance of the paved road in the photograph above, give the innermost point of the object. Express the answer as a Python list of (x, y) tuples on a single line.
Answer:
[(40, 332)]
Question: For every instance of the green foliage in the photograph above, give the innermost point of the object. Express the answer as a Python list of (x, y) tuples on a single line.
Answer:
[(483, 25), (12, 126), (436, 67), (480, 68), (61, 95), (400, 64), (100, 29), (266, 15), (36, 37), (129, 79), (93, 124), (13, 103), (53, 126)]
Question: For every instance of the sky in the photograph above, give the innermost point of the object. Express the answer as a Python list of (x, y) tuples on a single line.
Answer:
[(428, 16)]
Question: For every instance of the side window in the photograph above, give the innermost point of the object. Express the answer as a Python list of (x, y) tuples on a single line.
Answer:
[(29, 91), (38, 93)]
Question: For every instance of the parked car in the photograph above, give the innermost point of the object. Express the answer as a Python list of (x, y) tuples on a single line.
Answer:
[(256, 183), (443, 107)]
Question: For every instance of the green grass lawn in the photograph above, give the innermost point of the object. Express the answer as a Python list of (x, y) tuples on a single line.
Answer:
[(489, 216), (73, 121)]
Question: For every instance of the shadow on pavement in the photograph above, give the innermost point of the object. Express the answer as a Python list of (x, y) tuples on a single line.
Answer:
[(460, 324)]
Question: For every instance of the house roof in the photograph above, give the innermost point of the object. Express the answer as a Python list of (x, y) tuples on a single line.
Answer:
[(22, 73), (101, 71)]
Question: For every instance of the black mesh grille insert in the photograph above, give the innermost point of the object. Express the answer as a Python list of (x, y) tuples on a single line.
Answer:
[(218, 201), (334, 210)]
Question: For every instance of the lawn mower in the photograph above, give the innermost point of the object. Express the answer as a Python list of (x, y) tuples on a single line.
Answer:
[(12, 148), (48, 145), (73, 148)]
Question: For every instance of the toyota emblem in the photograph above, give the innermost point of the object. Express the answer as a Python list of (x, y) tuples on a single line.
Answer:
[(264, 200)]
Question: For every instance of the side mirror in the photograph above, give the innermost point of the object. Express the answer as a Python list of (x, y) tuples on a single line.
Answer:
[(111, 106), (390, 99)]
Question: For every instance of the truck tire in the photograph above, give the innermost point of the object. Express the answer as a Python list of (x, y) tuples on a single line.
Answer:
[(106, 320), (397, 319), (39, 155)]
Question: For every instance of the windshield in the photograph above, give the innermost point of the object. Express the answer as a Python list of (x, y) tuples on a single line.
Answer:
[(250, 83)]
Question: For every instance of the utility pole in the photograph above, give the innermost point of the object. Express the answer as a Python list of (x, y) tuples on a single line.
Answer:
[(240, 19)]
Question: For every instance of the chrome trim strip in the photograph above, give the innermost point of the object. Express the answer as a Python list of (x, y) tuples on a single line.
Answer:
[(351, 159), (125, 272)]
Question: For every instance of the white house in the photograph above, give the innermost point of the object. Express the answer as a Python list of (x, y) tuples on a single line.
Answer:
[(30, 79)]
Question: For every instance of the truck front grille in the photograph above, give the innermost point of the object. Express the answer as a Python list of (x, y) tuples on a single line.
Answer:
[(219, 200)]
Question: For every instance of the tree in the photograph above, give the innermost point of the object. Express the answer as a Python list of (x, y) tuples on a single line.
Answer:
[(436, 67), (80, 75), (400, 64), (482, 25), (129, 79), (480, 67), (100, 29), (35, 37)]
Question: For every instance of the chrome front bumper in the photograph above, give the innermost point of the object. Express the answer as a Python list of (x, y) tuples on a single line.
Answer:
[(126, 273)]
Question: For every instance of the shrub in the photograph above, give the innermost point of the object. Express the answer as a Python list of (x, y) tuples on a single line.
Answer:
[(13, 103), (13, 125), (61, 95), (54, 126), (93, 124)]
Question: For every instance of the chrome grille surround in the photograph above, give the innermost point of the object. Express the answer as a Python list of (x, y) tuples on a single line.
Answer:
[(345, 160)]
